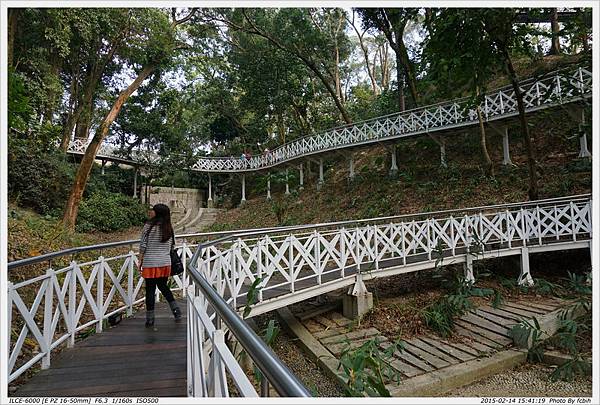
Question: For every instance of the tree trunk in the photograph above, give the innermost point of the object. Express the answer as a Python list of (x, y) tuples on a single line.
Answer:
[(486, 156), (400, 80), (13, 16), (73, 111), (85, 167), (531, 160), (555, 46)]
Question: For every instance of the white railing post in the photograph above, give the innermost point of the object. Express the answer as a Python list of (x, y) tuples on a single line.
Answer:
[(525, 234), (48, 315), (259, 268), (218, 387), (290, 248), (184, 260), (9, 289), (72, 303), (130, 289), (317, 254), (429, 241), (376, 242), (343, 254), (573, 229), (452, 236), (190, 341), (100, 294)]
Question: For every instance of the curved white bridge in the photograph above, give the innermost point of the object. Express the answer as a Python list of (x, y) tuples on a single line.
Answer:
[(552, 90), (285, 265)]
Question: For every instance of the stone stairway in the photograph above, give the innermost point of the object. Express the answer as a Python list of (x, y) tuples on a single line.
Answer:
[(205, 218)]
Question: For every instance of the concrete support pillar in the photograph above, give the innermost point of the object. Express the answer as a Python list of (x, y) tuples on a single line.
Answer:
[(443, 161), (351, 168), (135, 173), (287, 183), (584, 152), (243, 201), (468, 267), (102, 165), (301, 177), (269, 187), (525, 276), (209, 202), (394, 166), (505, 149), (358, 301), (321, 179)]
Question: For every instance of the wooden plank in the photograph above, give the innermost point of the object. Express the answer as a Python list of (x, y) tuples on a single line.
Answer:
[(501, 313), (518, 311), (525, 308), (502, 322), (312, 326), (474, 351), (544, 306), (316, 311), (329, 332), (338, 348), (325, 321), (357, 334), (409, 358), (431, 348), (500, 340), (405, 368), (456, 352), (481, 322), (340, 319), (428, 357)]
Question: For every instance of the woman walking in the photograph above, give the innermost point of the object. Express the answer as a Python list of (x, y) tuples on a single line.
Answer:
[(155, 260)]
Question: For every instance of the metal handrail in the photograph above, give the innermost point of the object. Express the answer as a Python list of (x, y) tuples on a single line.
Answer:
[(278, 374), (228, 235)]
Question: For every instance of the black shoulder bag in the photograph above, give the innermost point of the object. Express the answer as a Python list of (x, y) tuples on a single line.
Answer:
[(176, 264)]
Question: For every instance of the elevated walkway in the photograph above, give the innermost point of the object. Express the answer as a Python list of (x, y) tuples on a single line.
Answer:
[(499, 106)]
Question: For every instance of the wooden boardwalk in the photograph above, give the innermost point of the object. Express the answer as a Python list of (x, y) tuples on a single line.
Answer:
[(126, 360), (479, 333)]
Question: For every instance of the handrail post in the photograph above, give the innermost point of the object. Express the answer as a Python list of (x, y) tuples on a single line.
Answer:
[(48, 315), (183, 276), (72, 304), (130, 290), (9, 289), (100, 294)]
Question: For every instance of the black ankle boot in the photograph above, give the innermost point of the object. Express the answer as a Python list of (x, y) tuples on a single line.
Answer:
[(149, 319), (176, 311)]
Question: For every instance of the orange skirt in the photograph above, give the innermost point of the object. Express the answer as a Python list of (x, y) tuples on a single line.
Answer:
[(156, 272)]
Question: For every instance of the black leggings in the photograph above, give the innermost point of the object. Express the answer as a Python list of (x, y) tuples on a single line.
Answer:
[(151, 284)]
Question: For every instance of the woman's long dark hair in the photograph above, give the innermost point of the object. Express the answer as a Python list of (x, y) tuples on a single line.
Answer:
[(163, 219)]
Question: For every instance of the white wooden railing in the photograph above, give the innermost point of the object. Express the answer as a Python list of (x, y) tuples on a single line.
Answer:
[(295, 266), (552, 90)]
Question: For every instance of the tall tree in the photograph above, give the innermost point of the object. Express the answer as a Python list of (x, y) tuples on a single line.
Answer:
[(315, 37), (153, 43), (392, 22)]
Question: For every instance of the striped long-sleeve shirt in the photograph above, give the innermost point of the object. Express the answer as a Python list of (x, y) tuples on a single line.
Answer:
[(156, 253)]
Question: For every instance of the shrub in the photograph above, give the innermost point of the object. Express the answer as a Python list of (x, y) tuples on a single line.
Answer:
[(105, 211), (39, 177)]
